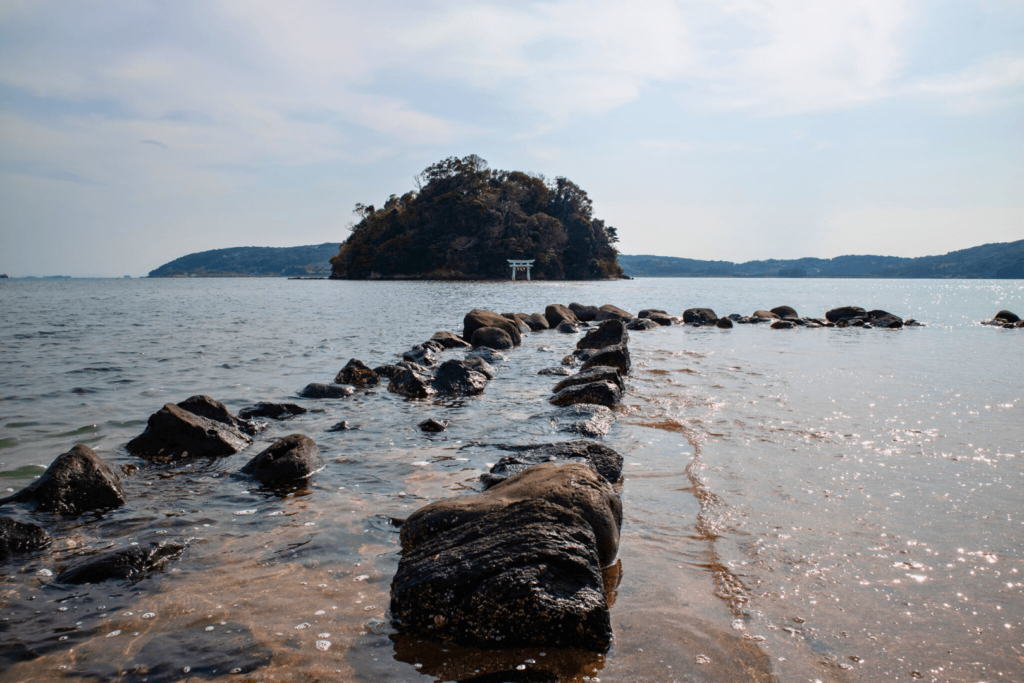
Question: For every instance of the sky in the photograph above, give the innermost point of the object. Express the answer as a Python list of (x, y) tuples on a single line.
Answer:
[(135, 133)]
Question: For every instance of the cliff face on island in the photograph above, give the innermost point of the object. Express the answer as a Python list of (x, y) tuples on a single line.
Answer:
[(467, 220)]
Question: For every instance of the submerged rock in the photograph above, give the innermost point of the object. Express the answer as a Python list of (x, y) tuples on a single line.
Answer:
[(616, 356), (342, 426), (459, 378), (293, 458), (273, 411), (129, 563), (357, 374), (783, 325), (701, 316), (601, 393), (519, 564), (321, 390), (478, 364), (585, 419), (75, 482), (600, 458), (420, 356), (19, 537), (566, 327), (724, 324), (173, 433), (596, 373), (492, 338), (608, 333), (642, 324), (449, 340), (477, 318), (433, 425), (204, 406), (556, 370)]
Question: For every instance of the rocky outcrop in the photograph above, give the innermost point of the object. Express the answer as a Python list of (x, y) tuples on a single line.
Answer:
[(389, 371), (607, 312), (414, 381), (785, 312), (454, 377), (584, 313), (18, 537), (640, 325), (449, 340), (608, 333), (602, 393), (598, 373), (479, 364), (172, 433), (535, 321), (291, 459), (204, 406), (478, 318), (616, 356), (130, 563), (844, 313), (600, 458), (884, 319), (420, 356), (357, 374), (273, 411), (517, 565), (724, 324), (457, 377), (321, 390), (77, 481), (492, 338), (700, 316), (557, 313), (433, 425)]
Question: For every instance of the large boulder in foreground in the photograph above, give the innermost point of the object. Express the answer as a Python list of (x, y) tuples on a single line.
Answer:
[(517, 565), (357, 374), (616, 356), (492, 338), (18, 537), (608, 333), (700, 316), (478, 318), (844, 313), (600, 458), (602, 393), (131, 563), (75, 482), (211, 409), (173, 433), (291, 459)]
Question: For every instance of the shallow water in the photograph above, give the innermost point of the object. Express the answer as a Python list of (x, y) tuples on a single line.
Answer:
[(798, 505)]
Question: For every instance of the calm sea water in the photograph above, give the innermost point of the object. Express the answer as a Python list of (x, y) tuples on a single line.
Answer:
[(801, 505)]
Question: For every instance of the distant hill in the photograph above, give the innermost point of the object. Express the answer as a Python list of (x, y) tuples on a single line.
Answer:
[(1004, 260), (308, 261)]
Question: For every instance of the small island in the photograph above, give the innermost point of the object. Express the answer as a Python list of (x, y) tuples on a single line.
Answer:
[(466, 221)]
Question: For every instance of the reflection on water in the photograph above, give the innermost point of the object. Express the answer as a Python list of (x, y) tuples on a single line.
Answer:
[(835, 505)]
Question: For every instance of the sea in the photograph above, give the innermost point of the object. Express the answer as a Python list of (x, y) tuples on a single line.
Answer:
[(799, 505)]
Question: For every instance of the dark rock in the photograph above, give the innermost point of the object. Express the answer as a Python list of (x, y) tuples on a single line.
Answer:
[(724, 324), (412, 383), (293, 458), (477, 318), (556, 313), (76, 481), (514, 317), (430, 345), (174, 433), (321, 390), (424, 357), (701, 316), (433, 425), (584, 313), (516, 565), (130, 563), (492, 338), (616, 356), (856, 322), (478, 364), (273, 411), (457, 377), (785, 312), (342, 426), (647, 312), (607, 312), (764, 315), (783, 325), (597, 373), (885, 319), (357, 374), (912, 323), (657, 315), (642, 324), (601, 393), (746, 320), (204, 406), (566, 327), (489, 355), (608, 333), (735, 317), (837, 314), (585, 419), (535, 321), (449, 340), (389, 371), (600, 458), (1006, 317), (18, 537), (556, 370)]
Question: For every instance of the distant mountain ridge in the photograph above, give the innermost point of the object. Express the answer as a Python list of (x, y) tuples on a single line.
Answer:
[(306, 261), (1001, 260)]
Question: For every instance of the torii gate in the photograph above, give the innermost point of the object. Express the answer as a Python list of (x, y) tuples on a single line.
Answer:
[(517, 265)]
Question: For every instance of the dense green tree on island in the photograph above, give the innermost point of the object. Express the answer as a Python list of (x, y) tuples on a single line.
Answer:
[(467, 220)]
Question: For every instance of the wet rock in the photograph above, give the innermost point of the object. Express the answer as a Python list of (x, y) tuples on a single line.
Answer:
[(357, 374), (639, 324), (433, 425), (19, 537), (566, 327), (130, 563), (449, 340), (293, 458), (489, 355), (557, 313), (204, 406), (342, 426), (421, 356), (912, 323), (477, 318), (601, 393), (518, 564), (458, 378), (273, 411), (616, 356), (657, 315), (492, 338), (884, 319), (842, 312), (412, 383), (585, 419), (701, 316), (783, 325), (556, 370), (584, 313), (76, 481), (536, 321), (514, 317), (478, 364), (600, 458), (608, 333), (173, 433), (1006, 317), (597, 373), (785, 312), (724, 324), (734, 317), (764, 315), (607, 312), (321, 390), (389, 370), (430, 345)]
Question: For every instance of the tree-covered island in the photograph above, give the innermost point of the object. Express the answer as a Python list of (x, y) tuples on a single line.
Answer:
[(466, 220)]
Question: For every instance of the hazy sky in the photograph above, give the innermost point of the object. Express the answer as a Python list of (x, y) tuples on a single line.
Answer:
[(132, 133)]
